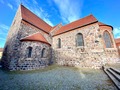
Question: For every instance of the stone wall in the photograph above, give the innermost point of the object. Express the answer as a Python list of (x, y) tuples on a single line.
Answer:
[(12, 50), (92, 54), (11, 40), (35, 61), (118, 49)]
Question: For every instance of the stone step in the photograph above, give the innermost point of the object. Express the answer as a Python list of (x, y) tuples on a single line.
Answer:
[(117, 76), (115, 81), (115, 70)]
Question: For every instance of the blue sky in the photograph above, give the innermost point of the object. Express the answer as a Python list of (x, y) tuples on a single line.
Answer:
[(61, 11)]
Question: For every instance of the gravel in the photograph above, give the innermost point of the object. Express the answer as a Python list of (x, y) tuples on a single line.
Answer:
[(56, 78)]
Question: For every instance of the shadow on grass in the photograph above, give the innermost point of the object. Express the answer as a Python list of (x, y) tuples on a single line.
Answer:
[(55, 77), (51, 67)]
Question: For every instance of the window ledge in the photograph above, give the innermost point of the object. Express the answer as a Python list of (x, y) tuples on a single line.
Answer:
[(43, 57), (80, 46), (58, 48), (29, 58)]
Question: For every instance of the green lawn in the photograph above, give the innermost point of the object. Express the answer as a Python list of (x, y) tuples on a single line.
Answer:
[(56, 78)]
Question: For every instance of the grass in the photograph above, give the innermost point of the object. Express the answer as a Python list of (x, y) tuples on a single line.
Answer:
[(55, 77)]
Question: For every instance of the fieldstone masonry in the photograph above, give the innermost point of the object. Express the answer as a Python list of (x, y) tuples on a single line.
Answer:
[(15, 56), (93, 54)]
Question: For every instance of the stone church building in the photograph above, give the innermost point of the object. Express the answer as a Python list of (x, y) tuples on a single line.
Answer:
[(33, 44)]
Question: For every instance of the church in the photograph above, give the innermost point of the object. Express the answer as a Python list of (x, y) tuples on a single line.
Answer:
[(33, 44)]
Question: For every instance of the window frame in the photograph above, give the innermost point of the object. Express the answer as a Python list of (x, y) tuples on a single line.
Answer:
[(29, 52), (110, 39), (82, 40), (59, 43), (43, 53)]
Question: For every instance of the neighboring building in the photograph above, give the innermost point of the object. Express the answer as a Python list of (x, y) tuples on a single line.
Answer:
[(33, 44), (1, 50)]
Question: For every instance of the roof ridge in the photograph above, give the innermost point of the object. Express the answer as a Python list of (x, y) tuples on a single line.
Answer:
[(34, 14), (117, 40), (77, 24), (30, 35), (36, 37), (81, 19), (103, 24)]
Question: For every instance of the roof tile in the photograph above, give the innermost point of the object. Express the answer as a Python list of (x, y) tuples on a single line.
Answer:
[(81, 22), (117, 40), (34, 19), (36, 37)]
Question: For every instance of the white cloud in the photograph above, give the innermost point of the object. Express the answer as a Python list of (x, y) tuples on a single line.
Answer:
[(3, 33), (24, 2), (18, 2), (3, 30), (2, 26), (10, 5), (37, 9), (116, 32), (2, 39), (48, 21), (35, 2), (42, 14), (70, 10)]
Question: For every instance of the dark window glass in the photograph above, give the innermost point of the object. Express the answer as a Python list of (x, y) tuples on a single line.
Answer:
[(43, 53), (107, 39), (59, 43), (29, 50), (80, 41)]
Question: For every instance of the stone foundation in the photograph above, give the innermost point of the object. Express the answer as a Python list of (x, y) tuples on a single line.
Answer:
[(86, 59)]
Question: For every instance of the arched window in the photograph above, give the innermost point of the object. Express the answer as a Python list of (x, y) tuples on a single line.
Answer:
[(59, 43), (79, 40), (107, 39), (29, 51), (43, 53)]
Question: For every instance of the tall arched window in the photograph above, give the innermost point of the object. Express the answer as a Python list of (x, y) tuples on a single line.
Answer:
[(79, 40), (107, 39), (43, 53), (59, 43), (29, 51)]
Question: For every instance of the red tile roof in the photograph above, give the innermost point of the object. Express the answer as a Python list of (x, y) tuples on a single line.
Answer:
[(30, 17), (102, 24), (36, 37), (117, 41), (79, 23), (53, 27), (34, 20)]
